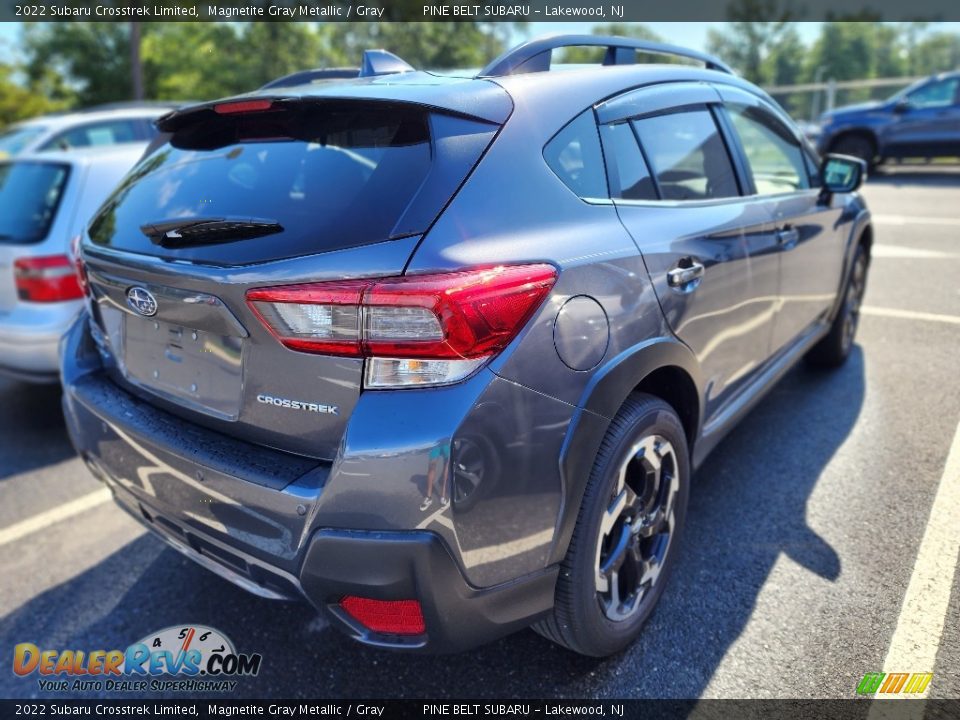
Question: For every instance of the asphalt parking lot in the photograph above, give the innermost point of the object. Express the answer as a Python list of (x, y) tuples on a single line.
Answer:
[(803, 541)]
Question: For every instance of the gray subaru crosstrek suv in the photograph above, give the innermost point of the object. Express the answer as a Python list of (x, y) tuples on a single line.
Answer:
[(441, 354)]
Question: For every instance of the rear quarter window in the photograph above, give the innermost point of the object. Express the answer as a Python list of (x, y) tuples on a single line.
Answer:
[(575, 157)]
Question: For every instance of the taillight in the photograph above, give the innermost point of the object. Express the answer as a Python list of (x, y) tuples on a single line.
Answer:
[(79, 266), (392, 617), (413, 330), (51, 278)]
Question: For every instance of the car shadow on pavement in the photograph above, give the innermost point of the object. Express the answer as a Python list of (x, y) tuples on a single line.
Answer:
[(32, 427), (914, 175), (748, 506)]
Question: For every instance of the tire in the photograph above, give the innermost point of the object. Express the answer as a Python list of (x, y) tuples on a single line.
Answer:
[(858, 146), (642, 517), (834, 349)]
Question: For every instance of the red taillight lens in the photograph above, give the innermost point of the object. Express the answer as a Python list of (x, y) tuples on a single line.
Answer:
[(79, 266), (392, 617), (456, 315), (461, 315), (52, 278)]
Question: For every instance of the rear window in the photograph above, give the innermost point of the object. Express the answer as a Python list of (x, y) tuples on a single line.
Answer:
[(329, 175), (30, 194)]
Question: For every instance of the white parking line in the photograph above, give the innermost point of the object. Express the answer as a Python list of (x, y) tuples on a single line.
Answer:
[(913, 220), (910, 315), (923, 614), (53, 516), (902, 252)]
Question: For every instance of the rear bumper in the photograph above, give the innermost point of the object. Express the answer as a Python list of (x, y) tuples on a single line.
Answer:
[(29, 340), (253, 516), (378, 565)]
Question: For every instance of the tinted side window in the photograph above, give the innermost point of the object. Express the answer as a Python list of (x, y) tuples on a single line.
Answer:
[(774, 156), (30, 194), (574, 156), (627, 170), (935, 94), (103, 133), (688, 157)]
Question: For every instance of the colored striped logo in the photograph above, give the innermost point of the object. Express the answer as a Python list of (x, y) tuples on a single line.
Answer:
[(894, 683)]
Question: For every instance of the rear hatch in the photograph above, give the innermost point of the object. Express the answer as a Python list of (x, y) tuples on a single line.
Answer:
[(31, 193), (255, 193)]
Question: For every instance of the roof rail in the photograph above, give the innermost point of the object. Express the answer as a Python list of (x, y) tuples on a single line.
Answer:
[(535, 55), (381, 62), (305, 77)]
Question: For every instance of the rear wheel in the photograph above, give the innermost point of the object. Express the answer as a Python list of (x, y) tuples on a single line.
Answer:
[(835, 347), (858, 146), (624, 542)]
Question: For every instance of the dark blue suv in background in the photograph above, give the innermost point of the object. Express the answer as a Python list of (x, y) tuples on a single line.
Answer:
[(922, 121)]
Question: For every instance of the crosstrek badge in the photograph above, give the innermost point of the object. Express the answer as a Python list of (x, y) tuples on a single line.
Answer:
[(299, 405)]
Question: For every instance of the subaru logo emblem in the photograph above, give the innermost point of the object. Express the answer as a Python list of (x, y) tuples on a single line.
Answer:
[(141, 300)]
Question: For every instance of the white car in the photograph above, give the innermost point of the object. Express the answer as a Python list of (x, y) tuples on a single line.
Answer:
[(105, 126), (45, 200)]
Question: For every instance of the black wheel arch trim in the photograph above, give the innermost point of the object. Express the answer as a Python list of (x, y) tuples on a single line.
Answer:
[(598, 405), (861, 225)]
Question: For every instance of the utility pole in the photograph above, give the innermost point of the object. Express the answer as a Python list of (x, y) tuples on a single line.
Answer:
[(136, 69)]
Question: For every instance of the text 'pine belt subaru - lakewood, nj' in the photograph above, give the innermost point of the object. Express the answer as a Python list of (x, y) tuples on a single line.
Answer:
[(440, 354)]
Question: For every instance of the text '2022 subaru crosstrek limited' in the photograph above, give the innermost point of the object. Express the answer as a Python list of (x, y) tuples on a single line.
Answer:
[(441, 354)]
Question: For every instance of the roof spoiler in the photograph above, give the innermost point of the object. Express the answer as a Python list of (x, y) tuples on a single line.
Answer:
[(536, 55)]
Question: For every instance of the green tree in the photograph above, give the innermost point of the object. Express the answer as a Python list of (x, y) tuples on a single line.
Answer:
[(848, 50), (783, 64), (92, 58), (935, 53), (755, 31), (18, 102)]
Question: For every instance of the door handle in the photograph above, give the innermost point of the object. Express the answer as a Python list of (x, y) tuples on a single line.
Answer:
[(787, 237), (686, 278)]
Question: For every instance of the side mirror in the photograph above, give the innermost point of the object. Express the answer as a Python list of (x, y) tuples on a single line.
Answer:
[(901, 106), (841, 173)]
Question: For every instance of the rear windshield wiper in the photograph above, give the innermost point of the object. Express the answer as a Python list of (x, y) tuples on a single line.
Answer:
[(184, 232)]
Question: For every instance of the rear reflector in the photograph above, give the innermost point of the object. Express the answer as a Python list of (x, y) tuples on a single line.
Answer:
[(391, 617), (51, 278)]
